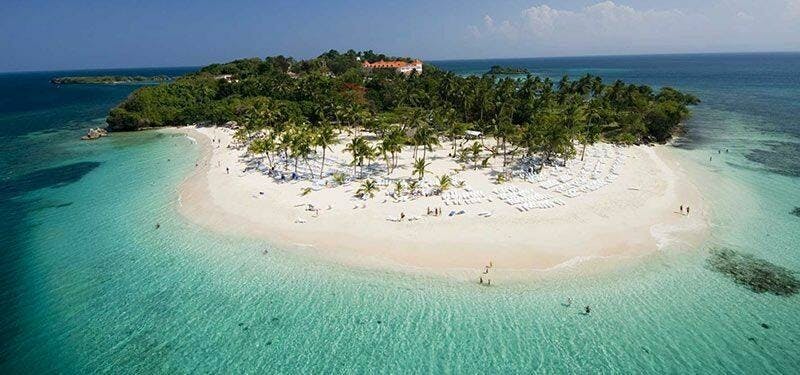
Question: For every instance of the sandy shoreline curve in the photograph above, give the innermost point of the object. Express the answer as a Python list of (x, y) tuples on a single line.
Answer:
[(634, 216)]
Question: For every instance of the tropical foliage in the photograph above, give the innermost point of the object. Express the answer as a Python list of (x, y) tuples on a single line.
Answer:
[(368, 188), (294, 109)]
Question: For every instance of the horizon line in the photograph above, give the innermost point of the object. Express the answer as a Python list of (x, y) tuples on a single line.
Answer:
[(424, 60)]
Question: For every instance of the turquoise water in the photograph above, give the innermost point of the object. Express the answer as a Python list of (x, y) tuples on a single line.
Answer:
[(89, 285)]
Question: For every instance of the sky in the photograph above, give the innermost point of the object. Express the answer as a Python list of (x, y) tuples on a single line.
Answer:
[(86, 34)]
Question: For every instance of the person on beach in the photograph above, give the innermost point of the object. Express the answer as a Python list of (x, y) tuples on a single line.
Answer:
[(687, 210), (681, 208), (227, 170), (402, 215), (488, 281), (480, 280)]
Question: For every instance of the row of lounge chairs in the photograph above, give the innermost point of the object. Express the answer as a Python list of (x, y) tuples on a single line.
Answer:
[(525, 200), (464, 197)]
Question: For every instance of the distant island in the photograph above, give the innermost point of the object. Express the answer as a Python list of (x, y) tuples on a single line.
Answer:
[(506, 70), (109, 80)]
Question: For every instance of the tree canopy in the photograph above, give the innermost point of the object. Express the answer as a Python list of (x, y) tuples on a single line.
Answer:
[(536, 114)]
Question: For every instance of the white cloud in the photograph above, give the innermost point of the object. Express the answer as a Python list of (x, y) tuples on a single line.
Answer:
[(542, 19), (488, 21), (793, 8), (608, 27)]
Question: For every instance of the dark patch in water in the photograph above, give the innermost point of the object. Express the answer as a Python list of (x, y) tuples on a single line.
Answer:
[(13, 230), (765, 325), (690, 142), (796, 211), (46, 178), (758, 275), (51, 205), (781, 158)]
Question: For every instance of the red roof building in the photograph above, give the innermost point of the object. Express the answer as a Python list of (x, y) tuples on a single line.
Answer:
[(401, 66)]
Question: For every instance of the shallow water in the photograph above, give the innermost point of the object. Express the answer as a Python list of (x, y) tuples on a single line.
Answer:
[(90, 285)]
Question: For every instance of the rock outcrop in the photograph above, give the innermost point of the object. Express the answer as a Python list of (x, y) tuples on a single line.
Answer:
[(94, 133)]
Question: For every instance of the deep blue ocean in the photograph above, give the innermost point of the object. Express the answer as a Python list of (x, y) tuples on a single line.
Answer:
[(87, 286)]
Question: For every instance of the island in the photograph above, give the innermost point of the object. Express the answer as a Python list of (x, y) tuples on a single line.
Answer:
[(109, 80), (506, 70), (431, 170)]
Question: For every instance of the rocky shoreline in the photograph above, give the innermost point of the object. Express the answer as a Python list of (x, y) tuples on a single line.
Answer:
[(95, 133)]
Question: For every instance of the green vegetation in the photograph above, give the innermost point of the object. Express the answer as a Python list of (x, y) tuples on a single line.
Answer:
[(506, 70), (108, 79), (368, 189), (444, 183), (295, 108), (757, 274)]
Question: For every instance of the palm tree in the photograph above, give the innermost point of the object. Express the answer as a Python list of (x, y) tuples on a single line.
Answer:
[(384, 149), (241, 135), (454, 130), (355, 148), (300, 146), (398, 187), (338, 178), (416, 120), (368, 187), (412, 186), (393, 140), (263, 145), (475, 149), (591, 131), (427, 138), (504, 130), (444, 183), (325, 137), (420, 167)]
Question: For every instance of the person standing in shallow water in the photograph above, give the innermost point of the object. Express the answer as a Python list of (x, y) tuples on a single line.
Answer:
[(587, 309)]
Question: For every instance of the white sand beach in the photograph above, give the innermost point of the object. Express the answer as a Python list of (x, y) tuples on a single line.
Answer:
[(620, 202)]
